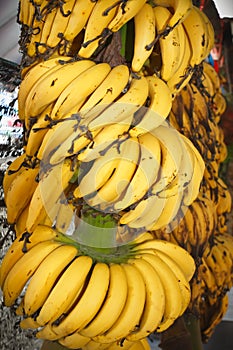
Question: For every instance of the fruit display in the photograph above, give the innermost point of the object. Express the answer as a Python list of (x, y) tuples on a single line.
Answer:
[(122, 227)]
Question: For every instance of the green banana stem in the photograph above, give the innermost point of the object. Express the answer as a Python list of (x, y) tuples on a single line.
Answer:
[(97, 229)]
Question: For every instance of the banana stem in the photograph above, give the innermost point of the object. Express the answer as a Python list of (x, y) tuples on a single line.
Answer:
[(192, 323), (177, 337), (52, 345)]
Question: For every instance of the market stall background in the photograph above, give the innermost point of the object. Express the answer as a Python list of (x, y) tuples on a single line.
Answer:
[(221, 14)]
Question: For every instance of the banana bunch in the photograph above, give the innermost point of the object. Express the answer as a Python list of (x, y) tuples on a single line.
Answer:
[(216, 270), (69, 296), (175, 52)]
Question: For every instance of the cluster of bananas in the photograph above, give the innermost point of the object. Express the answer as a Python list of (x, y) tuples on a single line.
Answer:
[(120, 158), (100, 157), (202, 228), (69, 296), (171, 37)]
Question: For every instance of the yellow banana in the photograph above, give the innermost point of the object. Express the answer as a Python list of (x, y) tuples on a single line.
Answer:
[(85, 83), (98, 174), (110, 89), (144, 28), (192, 189), (21, 245), (49, 87), (101, 15), (158, 108), (89, 304), (182, 280), (129, 152), (173, 296), (169, 44), (66, 290), (81, 10), (125, 11), (184, 72), (155, 300), (28, 323), (125, 106), (146, 172), (17, 198), (23, 12), (198, 35), (110, 310), (172, 202), (60, 23), (49, 22), (23, 269), (48, 193), (179, 254), (131, 314), (37, 133), (15, 167), (74, 144), (39, 71), (181, 10), (65, 216), (210, 71), (44, 278), (74, 341)]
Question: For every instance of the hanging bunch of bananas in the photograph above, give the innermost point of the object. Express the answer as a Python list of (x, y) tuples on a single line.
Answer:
[(196, 112), (106, 173), (65, 294)]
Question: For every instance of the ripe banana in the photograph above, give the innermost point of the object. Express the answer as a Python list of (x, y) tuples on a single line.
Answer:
[(15, 167), (21, 245), (24, 268), (146, 172), (125, 106), (155, 300), (181, 10), (197, 32), (169, 44), (48, 88), (192, 189), (184, 72), (81, 10), (17, 199), (173, 296), (110, 311), (39, 71), (109, 90), (157, 110), (125, 11), (74, 341), (49, 192), (177, 253), (89, 303), (144, 28), (101, 15), (182, 280), (86, 82), (66, 290), (60, 23), (46, 276), (129, 152), (97, 174), (131, 314)]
